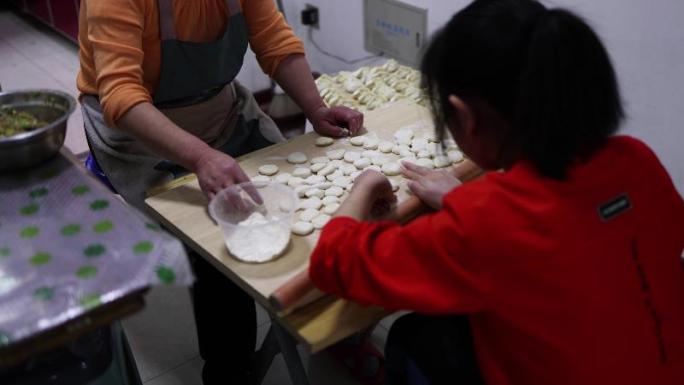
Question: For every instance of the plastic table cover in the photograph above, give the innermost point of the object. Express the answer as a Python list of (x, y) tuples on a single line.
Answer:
[(68, 245)]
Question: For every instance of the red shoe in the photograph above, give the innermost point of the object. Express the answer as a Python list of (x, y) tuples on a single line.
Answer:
[(356, 356)]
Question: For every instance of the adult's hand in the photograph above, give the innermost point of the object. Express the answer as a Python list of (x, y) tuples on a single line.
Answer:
[(216, 171), (336, 121)]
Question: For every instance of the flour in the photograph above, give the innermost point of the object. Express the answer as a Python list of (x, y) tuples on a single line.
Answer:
[(258, 239)]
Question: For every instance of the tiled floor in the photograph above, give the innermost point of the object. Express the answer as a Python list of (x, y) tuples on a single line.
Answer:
[(162, 336)]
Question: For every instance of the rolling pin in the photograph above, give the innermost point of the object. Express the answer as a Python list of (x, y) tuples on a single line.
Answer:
[(300, 290)]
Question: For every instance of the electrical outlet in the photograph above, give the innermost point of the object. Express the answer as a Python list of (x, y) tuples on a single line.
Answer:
[(310, 16)]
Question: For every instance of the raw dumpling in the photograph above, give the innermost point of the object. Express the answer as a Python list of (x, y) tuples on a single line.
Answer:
[(297, 158)]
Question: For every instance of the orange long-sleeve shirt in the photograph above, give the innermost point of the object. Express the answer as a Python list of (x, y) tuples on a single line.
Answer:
[(120, 46)]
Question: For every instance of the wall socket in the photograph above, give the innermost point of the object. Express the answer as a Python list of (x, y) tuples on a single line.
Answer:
[(310, 16)]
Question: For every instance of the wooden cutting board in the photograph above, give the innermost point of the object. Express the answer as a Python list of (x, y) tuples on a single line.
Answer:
[(181, 206)]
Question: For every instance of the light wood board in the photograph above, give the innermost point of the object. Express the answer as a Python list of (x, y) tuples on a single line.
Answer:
[(182, 207)]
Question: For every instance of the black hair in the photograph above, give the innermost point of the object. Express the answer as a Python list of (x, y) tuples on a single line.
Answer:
[(545, 72)]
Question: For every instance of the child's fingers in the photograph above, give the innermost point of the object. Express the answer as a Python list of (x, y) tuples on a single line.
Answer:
[(415, 169)]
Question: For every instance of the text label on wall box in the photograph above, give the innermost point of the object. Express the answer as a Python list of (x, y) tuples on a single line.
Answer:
[(394, 29)]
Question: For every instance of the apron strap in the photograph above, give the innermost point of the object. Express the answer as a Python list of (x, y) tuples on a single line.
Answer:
[(166, 23), (233, 7)]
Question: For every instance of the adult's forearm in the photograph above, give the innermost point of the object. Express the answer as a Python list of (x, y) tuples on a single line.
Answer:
[(294, 76), (161, 136)]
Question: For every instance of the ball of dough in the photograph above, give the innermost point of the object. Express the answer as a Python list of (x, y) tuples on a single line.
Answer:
[(351, 156), (320, 159), (261, 179), (395, 185), (358, 140), (336, 154), (331, 208), (334, 191), (297, 158), (320, 221), (301, 172), (268, 169), (391, 169), (362, 163), (324, 141), (302, 228), (282, 178), (308, 214)]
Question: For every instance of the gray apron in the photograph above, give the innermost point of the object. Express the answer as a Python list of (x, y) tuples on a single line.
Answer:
[(198, 92)]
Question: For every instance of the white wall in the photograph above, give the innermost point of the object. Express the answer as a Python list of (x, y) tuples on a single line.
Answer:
[(644, 38)]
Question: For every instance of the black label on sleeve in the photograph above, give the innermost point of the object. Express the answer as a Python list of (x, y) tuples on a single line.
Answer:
[(614, 207)]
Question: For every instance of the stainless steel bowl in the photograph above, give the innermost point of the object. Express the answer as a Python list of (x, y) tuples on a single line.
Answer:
[(33, 147)]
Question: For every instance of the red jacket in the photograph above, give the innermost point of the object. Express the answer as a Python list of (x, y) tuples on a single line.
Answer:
[(572, 282)]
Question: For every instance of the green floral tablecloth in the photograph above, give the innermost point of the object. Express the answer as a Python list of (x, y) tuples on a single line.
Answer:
[(68, 245)]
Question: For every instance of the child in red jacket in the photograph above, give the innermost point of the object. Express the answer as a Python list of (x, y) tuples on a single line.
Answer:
[(567, 265)]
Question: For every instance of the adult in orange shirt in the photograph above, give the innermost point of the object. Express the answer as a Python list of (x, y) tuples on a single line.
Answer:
[(158, 84)]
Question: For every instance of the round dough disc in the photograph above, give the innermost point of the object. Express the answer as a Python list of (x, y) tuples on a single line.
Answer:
[(261, 179), (308, 214), (362, 163), (320, 221), (311, 203), (314, 192), (302, 228), (268, 169), (334, 191), (330, 200), (301, 172), (316, 167), (331, 208), (295, 181), (297, 158), (357, 140), (391, 168), (283, 178), (351, 156), (324, 141), (336, 154), (342, 181)]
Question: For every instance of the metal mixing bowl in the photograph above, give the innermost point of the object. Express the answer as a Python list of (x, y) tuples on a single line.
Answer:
[(33, 147)]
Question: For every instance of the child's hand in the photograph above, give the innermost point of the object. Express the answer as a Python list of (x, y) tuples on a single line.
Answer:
[(429, 185), (371, 197)]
